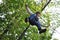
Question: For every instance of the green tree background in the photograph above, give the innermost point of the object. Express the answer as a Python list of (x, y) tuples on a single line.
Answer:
[(12, 24)]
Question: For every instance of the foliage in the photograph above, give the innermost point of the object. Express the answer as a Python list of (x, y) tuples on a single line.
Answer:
[(14, 13)]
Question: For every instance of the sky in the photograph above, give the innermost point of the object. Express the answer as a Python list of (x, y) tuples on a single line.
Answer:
[(53, 10), (1, 1), (56, 34)]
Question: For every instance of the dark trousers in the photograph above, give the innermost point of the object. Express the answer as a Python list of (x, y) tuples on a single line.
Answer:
[(37, 23)]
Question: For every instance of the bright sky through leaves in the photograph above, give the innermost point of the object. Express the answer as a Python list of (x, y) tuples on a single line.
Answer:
[(1, 1), (53, 10)]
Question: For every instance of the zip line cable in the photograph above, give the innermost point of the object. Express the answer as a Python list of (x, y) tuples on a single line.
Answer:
[(22, 34), (56, 31), (20, 37)]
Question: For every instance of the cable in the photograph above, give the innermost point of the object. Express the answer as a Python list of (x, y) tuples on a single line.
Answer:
[(56, 31)]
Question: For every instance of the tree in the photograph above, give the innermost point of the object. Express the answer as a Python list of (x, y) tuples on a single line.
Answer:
[(12, 25)]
